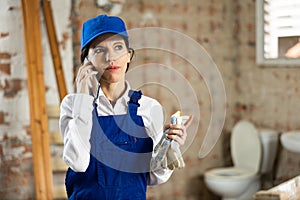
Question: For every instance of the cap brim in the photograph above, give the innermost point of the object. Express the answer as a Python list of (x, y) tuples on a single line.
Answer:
[(124, 34)]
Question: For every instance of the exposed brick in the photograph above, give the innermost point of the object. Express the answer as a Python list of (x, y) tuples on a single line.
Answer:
[(12, 87), (5, 68), (5, 55), (212, 10), (1, 151), (2, 34), (117, 1), (2, 118), (65, 38)]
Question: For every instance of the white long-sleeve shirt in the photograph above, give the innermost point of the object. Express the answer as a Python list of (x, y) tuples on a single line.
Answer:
[(76, 125)]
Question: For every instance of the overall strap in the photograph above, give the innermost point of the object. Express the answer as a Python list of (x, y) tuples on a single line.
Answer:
[(133, 102), (97, 96)]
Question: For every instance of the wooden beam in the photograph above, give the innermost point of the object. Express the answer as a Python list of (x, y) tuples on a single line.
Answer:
[(36, 90), (51, 32)]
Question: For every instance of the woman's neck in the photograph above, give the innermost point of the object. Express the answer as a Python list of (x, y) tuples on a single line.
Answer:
[(113, 91)]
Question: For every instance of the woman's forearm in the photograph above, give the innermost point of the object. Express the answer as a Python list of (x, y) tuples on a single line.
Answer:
[(75, 126)]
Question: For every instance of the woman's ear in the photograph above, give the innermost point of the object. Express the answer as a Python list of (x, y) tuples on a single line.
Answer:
[(131, 52), (86, 60)]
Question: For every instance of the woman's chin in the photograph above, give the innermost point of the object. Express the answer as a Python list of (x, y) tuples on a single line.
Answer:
[(112, 80)]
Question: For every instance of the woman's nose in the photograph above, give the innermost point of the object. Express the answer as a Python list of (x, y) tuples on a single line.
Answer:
[(107, 57), (110, 56)]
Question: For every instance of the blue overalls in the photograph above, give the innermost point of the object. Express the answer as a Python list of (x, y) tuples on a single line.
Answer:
[(119, 159)]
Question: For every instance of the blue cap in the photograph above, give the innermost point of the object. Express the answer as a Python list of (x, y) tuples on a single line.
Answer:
[(99, 25)]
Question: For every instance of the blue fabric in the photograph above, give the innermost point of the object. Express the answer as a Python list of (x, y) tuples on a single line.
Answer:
[(99, 25), (119, 161)]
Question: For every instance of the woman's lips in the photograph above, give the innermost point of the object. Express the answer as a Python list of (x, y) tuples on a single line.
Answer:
[(112, 68)]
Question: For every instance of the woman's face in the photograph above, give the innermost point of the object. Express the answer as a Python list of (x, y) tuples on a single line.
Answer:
[(109, 55)]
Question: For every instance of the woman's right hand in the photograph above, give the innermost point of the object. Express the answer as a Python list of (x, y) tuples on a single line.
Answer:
[(86, 81)]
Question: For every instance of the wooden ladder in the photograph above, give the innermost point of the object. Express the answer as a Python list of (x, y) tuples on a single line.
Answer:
[(48, 168)]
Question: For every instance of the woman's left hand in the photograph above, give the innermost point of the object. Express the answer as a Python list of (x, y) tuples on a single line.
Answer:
[(178, 132)]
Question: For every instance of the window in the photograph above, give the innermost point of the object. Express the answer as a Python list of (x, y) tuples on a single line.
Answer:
[(278, 30)]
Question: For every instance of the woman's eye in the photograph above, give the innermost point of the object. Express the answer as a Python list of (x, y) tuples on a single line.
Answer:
[(99, 50), (119, 47)]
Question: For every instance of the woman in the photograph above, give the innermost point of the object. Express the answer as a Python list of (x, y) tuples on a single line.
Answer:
[(109, 131)]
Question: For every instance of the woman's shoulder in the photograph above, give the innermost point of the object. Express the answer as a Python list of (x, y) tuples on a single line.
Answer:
[(149, 106), (152, 112), (148, 101), (68, 99)]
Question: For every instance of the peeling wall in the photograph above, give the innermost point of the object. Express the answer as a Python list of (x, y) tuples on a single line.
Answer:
[(226, 29), (15, 141)]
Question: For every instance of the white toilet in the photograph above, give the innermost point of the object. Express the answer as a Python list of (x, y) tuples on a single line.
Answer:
[(253, 153)]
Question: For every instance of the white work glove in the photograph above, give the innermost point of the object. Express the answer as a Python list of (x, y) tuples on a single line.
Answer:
[(168, 154), (174, 156), (160, 153)]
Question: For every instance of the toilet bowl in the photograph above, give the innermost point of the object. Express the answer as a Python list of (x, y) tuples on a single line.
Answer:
[(232, 182), (248, 148)]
